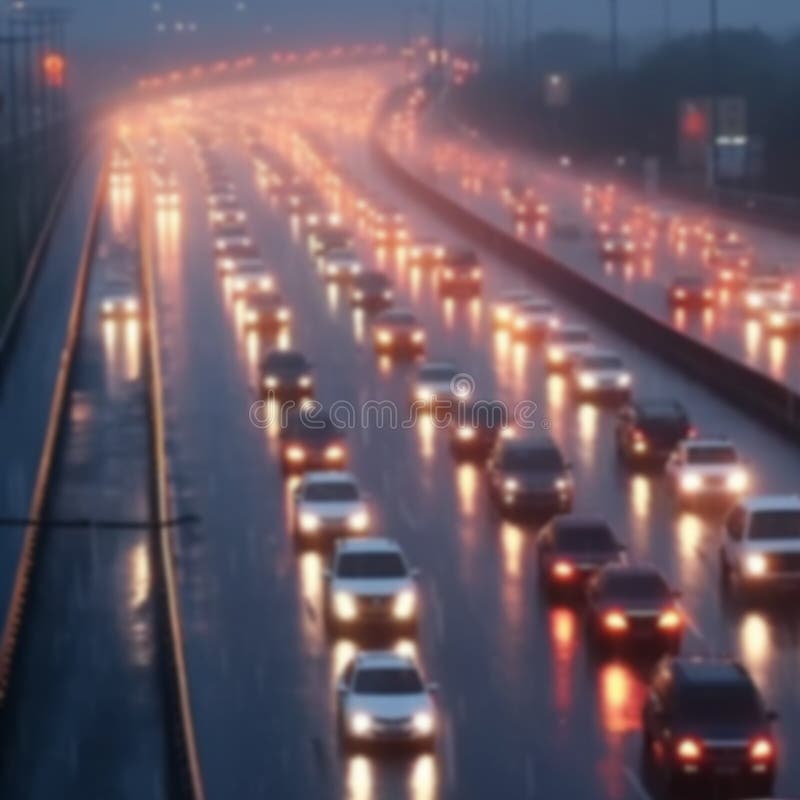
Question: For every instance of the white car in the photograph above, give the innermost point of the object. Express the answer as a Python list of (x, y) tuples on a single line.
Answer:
[(384, 699), (766, 292), (370, 585), (534, 318), (328, 505), (505, 306), (761, 541), (341, 265), (601, 374), (437, 384), (565, 344), (120, 306), (245, 259), (707, 469), (231, 238), (250, 278)]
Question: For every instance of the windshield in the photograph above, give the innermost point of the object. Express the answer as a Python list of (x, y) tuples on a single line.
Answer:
[(775, 525), (336, 490), (633, 586), (585, 538), (711, 454), (371, 565), (525, 459), (292, 361), (388, 680), (711, 704), (602, 362), (570, 337), (437, 373)]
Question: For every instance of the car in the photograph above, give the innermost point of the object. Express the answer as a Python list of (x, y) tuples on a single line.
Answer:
[(530, 210), (120, 306), (314, 215), (534, 319), (327, 239), (528, 474), (230, 237), (766, 292), (618, 248), (761, 542), (249, 278), (565, 344), (397, 332), (244, 258), (649, 430), (224, 210), (426, 253), (460, 275), (309, 440), (370, 587), (505, 307), (388, 227), (707, 469), (601, 375), (690, 291), (633, 606), (383, 699), (731, 260), (436, 385), (782, 321), (341, 266), (266, 313), (371, 290), (705, 728), (475, 427), (286, 375), (329, 505), (571, 549)]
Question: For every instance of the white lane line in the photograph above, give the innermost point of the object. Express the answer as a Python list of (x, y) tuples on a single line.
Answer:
[(410, 520), (636, 784)]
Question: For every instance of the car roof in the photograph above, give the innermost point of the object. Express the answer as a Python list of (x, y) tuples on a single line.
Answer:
[(600, 353), (532, 442), (368, 545), (378, 659), (436, 366), (632, 570), (403, 315), (772, 502), (709, 670), (650, 405), (563, 521), (707, 441), (329, 476), (571, 327)]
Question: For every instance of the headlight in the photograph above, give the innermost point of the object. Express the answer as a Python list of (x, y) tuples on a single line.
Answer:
[(360, 723), (624, 380), (251, 316), (226, 264), (691, 482), (511, 484), (562, 484), (271, 382), (777, 320), (387, 294), (520, 324), (344, 605), (755, 565), (466, 434), (358, 521), (384, 337), (265, 284), (283, 314), (309, 522), (423, 723), (295, 453), (333, 269), (555, 355), (334, 453), (131, 305), (405, 603), (418, 336), (358, 295), (754, 301), (304, 382), (502, 313), (737, 481), (424, 394), (108, 306), (587, 381)]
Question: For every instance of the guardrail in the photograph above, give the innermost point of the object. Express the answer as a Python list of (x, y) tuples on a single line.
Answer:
[(19, 594), (190, 782), (750, 390)]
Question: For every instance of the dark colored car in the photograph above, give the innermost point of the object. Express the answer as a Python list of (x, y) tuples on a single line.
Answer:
[(266, 313), (633, 606), (649, 430), (310, 440), (572, 548), (286, 375), (691, 291), (529, 475), (397, 332), (475, 427), (460, 275), (705, 728), (371, 290)]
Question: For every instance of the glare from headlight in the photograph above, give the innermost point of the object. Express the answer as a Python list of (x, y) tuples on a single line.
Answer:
[(309, 523), (283, 314), (511, 484), (624, 380), (344, 605), (418, 336), (271, 382), (690, 482), (555, 355), (360, 723), (587, 381), (466, 434), (562, 484), (423, 723), (295, 453), (108, 306), (334, 453), (358, 521), (755, 564), (131, 305), (384, 337), (737, 481), (251, 316), (305, 382), (405, 604)]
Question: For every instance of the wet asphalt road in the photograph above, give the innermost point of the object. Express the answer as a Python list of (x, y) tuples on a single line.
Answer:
[(528, 712)]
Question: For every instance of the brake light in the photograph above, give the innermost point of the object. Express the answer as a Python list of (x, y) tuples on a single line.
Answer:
[(670, 620), (638, 435), (689, 750), (761, 749), (563, 570), (615, 621)]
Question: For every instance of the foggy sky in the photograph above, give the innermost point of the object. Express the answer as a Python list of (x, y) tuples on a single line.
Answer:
[(297, 20)]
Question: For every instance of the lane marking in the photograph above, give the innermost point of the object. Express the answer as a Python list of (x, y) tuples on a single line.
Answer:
[(636, 784)]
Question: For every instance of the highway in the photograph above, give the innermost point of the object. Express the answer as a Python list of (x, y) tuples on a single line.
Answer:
[(526, 708)]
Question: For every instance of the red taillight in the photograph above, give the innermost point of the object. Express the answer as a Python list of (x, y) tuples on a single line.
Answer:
[(692, 432), (638, 435), (670, 620), (615, 621), (761, 749), (563, 570), (689, 750)]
